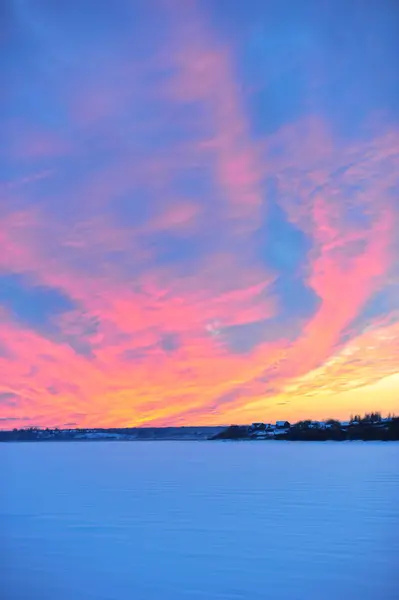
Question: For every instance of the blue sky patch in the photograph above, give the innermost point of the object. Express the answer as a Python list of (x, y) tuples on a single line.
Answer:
[(33, 305)]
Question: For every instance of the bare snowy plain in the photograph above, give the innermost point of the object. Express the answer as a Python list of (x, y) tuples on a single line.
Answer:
[(199, 521)]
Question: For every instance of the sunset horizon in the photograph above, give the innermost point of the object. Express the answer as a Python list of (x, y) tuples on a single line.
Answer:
[(70, 426)]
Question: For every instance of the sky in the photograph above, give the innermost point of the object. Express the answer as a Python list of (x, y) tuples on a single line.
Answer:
[(199, 211)]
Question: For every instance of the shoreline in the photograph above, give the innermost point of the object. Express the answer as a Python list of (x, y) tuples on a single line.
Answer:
[(371, 427)]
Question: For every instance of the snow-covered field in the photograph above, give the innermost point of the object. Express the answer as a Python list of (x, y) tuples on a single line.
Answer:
[(200, 521)]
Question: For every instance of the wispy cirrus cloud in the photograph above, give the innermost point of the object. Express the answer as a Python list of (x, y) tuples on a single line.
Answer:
[(184, 234)]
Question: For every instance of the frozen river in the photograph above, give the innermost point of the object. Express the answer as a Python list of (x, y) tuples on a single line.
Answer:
[(199, 521)]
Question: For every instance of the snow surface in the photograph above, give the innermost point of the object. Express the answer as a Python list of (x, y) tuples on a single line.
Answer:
[(200, 521)]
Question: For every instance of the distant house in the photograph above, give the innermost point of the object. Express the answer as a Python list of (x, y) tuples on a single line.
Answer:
[(257, 427), (262, 431), (281, 428)]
